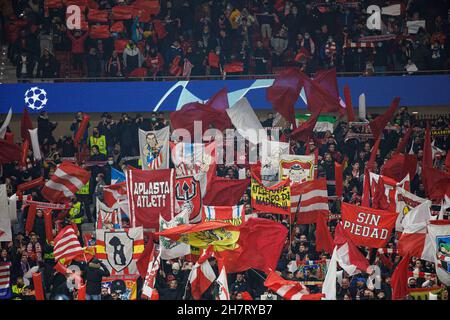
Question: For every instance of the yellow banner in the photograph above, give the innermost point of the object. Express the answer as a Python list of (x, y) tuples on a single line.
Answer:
[(221, 239), (271, 199)]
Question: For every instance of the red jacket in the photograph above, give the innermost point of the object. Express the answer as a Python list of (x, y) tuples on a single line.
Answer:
[(77, 43)]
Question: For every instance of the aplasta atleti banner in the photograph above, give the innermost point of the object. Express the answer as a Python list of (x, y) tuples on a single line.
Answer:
[(274, 199), (366, 226), (150, 194)]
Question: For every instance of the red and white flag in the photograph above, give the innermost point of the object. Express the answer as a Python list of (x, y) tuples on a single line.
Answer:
[(289, 290), (232, 214), (114, 193), (67, 180), (349, 258), (412, 242), (222, 281), (67, 246), (313, 197), (148, 288), (5, 273), (202, 275)]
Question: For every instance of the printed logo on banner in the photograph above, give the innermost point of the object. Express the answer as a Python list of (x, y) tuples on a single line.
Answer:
[(187, 191), (296, 170), (119, 249), (36, 98), (443, 252)]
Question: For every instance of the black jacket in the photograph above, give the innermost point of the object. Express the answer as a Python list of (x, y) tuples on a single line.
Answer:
[(94, 277)]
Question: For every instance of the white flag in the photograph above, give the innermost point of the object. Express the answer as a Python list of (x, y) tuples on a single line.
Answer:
[(439, 240), (329, 284), (246, 122), (154, 148), (362, 107), (222, 281), (35, 144), (5, 221), (5, 124), (173, 249)]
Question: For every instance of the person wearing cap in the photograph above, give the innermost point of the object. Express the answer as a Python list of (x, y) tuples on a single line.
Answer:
[(95, 271)]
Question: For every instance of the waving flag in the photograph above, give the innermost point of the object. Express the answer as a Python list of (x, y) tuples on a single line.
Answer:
[(5, 277), (289, 290), (67, 180), (148, 288), (108, 217), (67, 246), (222, 281), (405, 201), (202, 275), (117, 176), (5, 219), (170, 249), (377, 125), (224, 191), (5, 124), (232, 214), (9, 152), (114, 193)]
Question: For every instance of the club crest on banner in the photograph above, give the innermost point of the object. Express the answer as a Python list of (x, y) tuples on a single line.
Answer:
[(188, 193), (297, 170), (443, 253), (119, 249)]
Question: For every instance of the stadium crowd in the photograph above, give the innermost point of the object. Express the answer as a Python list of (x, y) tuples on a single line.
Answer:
[(26, 251), (196, 38)]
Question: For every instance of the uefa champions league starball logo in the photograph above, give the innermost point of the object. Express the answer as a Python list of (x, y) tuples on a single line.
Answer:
[(36, 98)]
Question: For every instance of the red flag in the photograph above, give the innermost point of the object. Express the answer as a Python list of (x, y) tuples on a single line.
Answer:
[(399, 280), (213, 60), (305, 131), (99, 32), (225, 192), (373, 155), (365, 201), (377, 125), (97, 15), (285, 91), (81, 293), (399, 166), (38, 288), (150, 194), (48, 225), (138, 73), (24, 152), (349, 252), (379, 199), (367, 226), (219, 101), (447, 161), (81, 129), (144, 259), (31, 184), (322, 92), (438, 183), (159, 29), (9, 152), (67, 246), (427, 160), (30, 219), (260, 243), (202, 275), (405, 139), (348, 103), (120, 44), (25, 125), (67, 180), (324, 241), (338, 174), (234, 67)]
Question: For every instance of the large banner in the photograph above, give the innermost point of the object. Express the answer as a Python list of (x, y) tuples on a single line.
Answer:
[(108, 217), (366, 226), (119, 249), (150, 194), (405, 201), (271, 153), (154, 148), (390, 187), (171, 249), (274, 199), (297, 168), (234, 215)]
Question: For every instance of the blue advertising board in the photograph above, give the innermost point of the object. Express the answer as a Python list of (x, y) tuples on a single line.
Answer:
[(172, 95)]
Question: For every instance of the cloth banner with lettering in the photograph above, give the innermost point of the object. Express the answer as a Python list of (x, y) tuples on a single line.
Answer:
[(154, 148), (119, 249), (150, 194), (297, 168), (231, 214), (366, 226), (273, 199)]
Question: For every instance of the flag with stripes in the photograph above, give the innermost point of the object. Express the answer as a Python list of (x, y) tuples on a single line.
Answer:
[(202, 275), (119, 249), (232, 214), (309, 199), (117, 176), (5, 276), (192, 158), (108, 217), (67, 180), (289, 290), (114, 193), (67, 246)]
